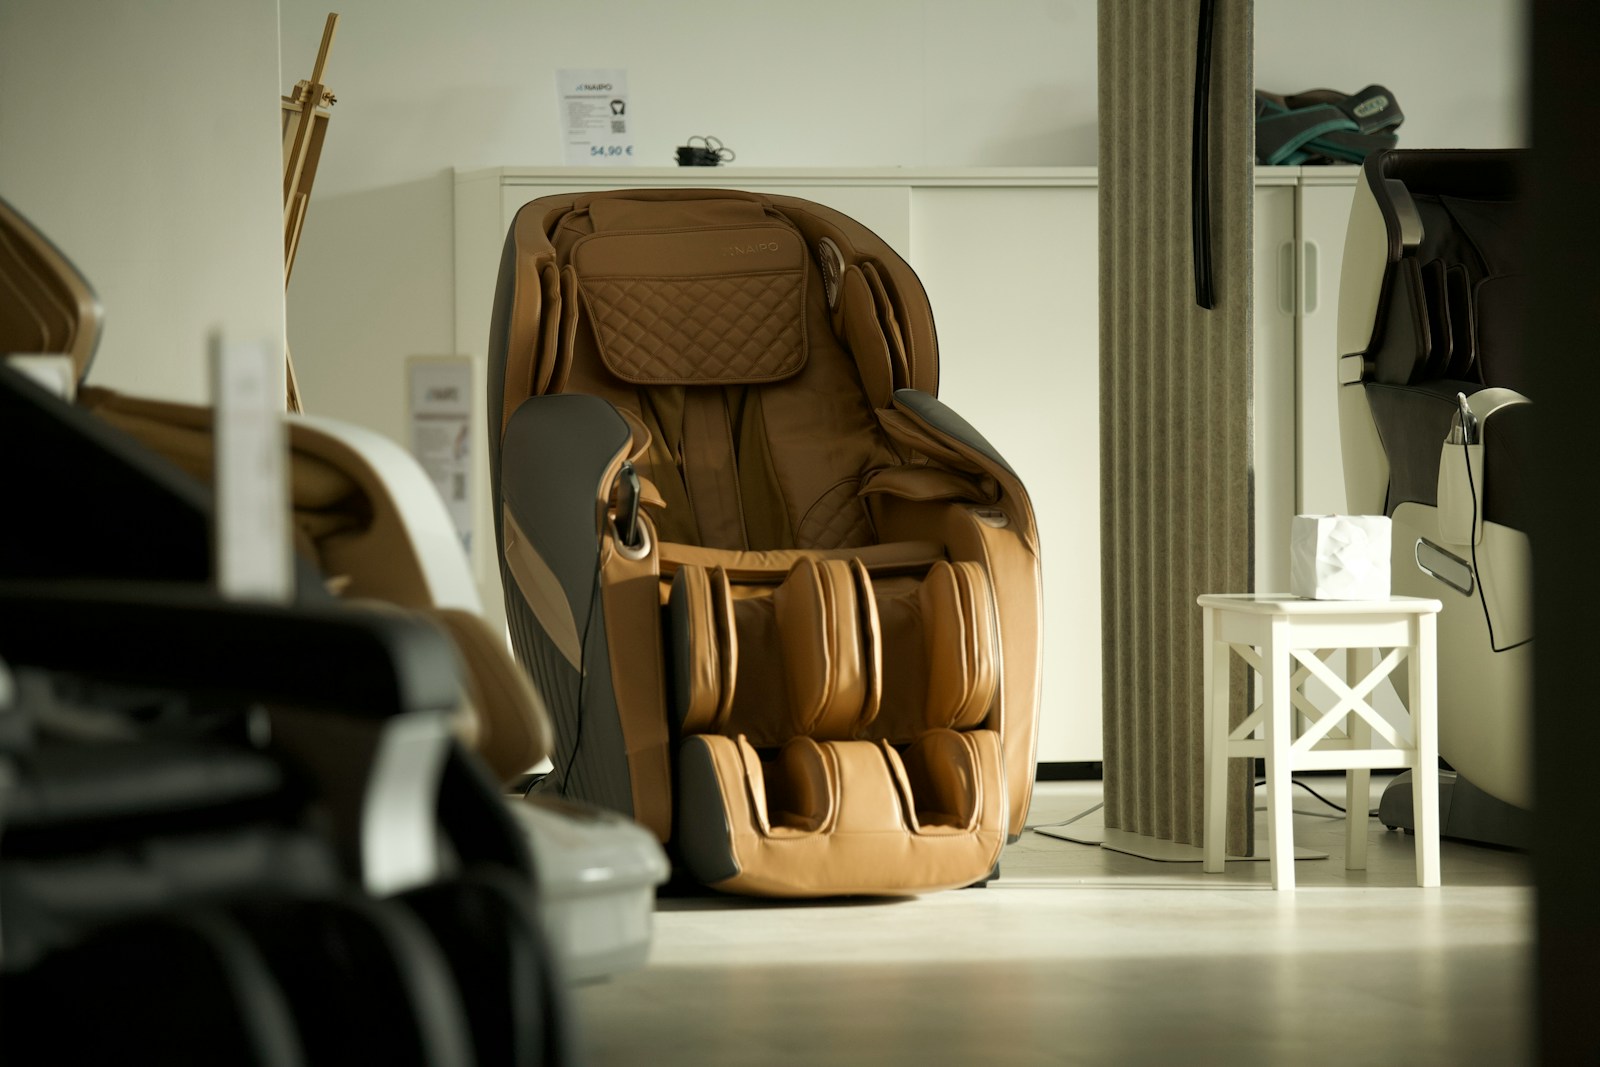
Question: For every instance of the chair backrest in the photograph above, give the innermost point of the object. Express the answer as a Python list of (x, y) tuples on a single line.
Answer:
[(1431, 304), (753, 338), (377, 530), (46, 306), (1432, 285)]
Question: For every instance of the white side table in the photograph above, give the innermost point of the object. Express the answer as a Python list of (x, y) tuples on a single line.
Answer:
[(1287, 641)]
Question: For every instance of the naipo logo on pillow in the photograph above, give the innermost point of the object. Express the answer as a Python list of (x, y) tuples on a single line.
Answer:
[(751, 248)]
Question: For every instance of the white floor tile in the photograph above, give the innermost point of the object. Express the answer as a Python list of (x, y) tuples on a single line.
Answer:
[(1081, 955)]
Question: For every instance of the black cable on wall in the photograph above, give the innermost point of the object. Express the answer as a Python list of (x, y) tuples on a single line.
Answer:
[(1200, 162)]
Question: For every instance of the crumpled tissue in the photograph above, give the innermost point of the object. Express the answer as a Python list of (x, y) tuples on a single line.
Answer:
[(1339, 557)]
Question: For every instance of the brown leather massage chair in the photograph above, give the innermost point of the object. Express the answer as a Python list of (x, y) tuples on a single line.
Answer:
[(782, 604)]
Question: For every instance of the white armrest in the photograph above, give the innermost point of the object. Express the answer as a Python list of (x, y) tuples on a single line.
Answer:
[(386, 470)]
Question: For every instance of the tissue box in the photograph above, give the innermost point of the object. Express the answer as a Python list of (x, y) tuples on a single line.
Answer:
[(1339, 557)]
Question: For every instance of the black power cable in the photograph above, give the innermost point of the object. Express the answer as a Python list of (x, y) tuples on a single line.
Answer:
[(1205, 293), (583, 674), (1319, 796), (1472, 546)]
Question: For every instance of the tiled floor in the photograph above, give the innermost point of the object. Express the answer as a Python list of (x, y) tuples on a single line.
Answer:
[(1081, 955)]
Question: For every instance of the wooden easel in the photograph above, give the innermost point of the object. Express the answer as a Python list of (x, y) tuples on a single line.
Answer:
[(305, 124)]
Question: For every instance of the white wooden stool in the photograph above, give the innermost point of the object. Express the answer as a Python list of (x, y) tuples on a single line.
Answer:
[(1288, 641)]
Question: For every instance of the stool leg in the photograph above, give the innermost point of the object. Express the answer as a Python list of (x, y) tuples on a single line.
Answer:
[(1280, 804), (1357, 780), (1424, 705), (1215, 688)]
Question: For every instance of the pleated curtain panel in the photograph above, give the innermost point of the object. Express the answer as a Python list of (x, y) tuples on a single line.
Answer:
[(1175, 393)]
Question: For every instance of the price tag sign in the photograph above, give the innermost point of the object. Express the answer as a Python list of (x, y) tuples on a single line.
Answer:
[(595, 123), (441, 432)]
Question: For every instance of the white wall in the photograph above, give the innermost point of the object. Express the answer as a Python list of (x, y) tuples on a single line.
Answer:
[(143, 139), (1455, 66)]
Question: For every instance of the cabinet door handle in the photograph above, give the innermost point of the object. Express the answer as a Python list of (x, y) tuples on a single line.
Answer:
[(1286, 277), (1308, 277)]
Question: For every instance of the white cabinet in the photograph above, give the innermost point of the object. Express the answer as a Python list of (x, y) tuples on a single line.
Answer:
[(1324, 210), (1013, 277), (1300, 218), (1010, 259), (1272, 386)]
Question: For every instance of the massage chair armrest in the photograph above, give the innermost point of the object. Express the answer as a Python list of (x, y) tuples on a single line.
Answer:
[(1414, 422), (934, 415), (921, 422), (359, 700), (560, 458), (1505, 426), (1486, 403)]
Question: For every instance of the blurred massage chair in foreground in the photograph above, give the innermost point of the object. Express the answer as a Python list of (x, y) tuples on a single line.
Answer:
[(1431, 313), (373, 527), (782, 603), (234, 832)]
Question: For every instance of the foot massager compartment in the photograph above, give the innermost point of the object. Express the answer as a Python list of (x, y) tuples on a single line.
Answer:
[(800, 769)]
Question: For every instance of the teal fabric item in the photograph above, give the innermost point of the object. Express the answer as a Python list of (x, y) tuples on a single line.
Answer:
[(1325, 126)]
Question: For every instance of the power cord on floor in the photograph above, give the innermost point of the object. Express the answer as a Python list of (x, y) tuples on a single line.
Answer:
[(1259, 782), (1065, 822), (1295, 781)]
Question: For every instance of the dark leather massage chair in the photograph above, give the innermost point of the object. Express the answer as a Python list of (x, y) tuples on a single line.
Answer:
[(230, 831), (782, 603), (1431, 307)]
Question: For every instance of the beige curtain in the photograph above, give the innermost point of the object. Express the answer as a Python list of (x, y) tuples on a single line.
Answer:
[(1174, 401)]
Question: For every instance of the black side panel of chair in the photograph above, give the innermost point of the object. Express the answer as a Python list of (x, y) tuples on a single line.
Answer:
[(365, 981), (1463, 326), (1508, 465), (557, 450), (48, 900), (514, 998), (1501, 322), (1412, 421), (175, 990), (114, 510), (1451, 320), (475, 819)]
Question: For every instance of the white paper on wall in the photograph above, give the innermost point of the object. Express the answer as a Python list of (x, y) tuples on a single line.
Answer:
[(441, 432), (596, 127)]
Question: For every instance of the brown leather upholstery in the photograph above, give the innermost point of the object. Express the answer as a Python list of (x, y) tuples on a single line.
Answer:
[(347, 521), (838, 656), (46, 306)]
